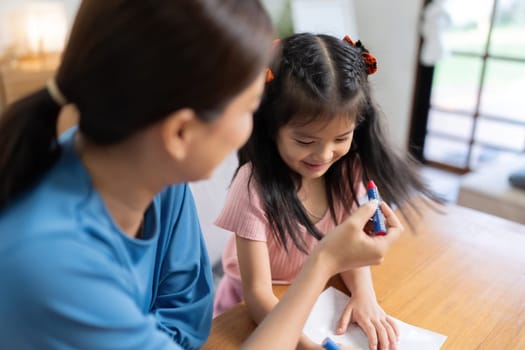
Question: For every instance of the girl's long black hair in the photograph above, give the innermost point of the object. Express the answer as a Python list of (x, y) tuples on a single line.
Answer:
[(319, 76)]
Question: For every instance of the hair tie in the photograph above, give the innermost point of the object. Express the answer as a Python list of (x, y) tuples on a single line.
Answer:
[(349, 40), (370, 60), (55, 93), (269, 74)]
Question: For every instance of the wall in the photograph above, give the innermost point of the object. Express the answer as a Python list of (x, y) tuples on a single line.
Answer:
[(209, 197), (391, 34)]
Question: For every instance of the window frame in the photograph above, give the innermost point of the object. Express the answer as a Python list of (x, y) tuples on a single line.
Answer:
[(422, 105)]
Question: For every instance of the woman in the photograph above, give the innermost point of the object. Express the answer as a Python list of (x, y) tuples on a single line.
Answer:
[(100, 246)]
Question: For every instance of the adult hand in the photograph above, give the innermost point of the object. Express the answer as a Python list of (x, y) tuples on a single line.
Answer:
[(348, 246)]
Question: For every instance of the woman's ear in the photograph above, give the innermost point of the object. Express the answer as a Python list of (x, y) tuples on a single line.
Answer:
[(178, 131)]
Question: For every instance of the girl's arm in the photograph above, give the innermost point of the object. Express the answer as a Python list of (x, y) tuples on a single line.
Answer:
[(364, 310), (254, 264), (359, 282), (344, 248)]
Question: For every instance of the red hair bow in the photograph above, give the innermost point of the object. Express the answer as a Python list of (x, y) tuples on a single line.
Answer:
[(370, 60)]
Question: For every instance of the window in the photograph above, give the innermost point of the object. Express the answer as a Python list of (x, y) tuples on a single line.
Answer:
[(470, 107)]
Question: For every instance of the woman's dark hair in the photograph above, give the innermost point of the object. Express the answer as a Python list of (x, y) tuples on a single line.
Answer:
[(319, 76), (129, 64)]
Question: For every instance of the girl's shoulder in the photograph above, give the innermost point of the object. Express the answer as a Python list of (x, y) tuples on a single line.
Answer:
[(243, 179), (243, 188), (244, 172)]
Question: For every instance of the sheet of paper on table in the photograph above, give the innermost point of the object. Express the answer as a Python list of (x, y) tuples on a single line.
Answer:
[(323, 319)]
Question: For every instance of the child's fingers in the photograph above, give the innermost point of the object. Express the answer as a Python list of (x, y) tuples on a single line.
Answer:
[(371, 334), (382, 335), (394, 326), (344, 320), (392, 336)]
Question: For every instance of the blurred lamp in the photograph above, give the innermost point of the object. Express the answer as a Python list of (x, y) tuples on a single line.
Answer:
[(39, 31)]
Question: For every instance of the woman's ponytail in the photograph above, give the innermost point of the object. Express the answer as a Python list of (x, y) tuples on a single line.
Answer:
[(28, 142)]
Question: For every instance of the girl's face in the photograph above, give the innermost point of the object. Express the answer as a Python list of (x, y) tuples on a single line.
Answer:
[(311, 149)]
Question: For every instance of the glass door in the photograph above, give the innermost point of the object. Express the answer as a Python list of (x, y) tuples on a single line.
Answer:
[(475, 97)]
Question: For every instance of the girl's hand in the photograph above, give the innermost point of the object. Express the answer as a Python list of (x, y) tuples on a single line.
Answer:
[(377, 325), (348, 246)]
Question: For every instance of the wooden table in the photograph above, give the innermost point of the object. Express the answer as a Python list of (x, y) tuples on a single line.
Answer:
[(462, 275)]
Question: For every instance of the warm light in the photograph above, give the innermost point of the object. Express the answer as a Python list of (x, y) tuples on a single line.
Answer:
[(38, 30)]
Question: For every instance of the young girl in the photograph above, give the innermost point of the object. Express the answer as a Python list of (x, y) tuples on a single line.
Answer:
[(318, 137), (100, 246)]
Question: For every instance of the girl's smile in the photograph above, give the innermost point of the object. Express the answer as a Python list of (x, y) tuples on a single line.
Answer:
[(317, 166), (311, 149)]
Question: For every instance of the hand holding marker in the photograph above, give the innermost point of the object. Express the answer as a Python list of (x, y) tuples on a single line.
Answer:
[(379, 230), (379, 219)]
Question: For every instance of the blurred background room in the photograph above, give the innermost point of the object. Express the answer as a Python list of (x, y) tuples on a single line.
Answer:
[(451, 83)]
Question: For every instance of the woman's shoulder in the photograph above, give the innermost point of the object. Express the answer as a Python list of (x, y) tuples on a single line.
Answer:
[(55, 201), (176, 206), (174, 195)]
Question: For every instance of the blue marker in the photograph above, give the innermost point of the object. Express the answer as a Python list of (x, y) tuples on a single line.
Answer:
[(379, 219), (329, 344)]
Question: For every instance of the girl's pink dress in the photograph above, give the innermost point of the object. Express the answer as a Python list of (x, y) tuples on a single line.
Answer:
[(243, 214)]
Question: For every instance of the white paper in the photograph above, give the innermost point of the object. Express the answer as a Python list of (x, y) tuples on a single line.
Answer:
[(322, 323)]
